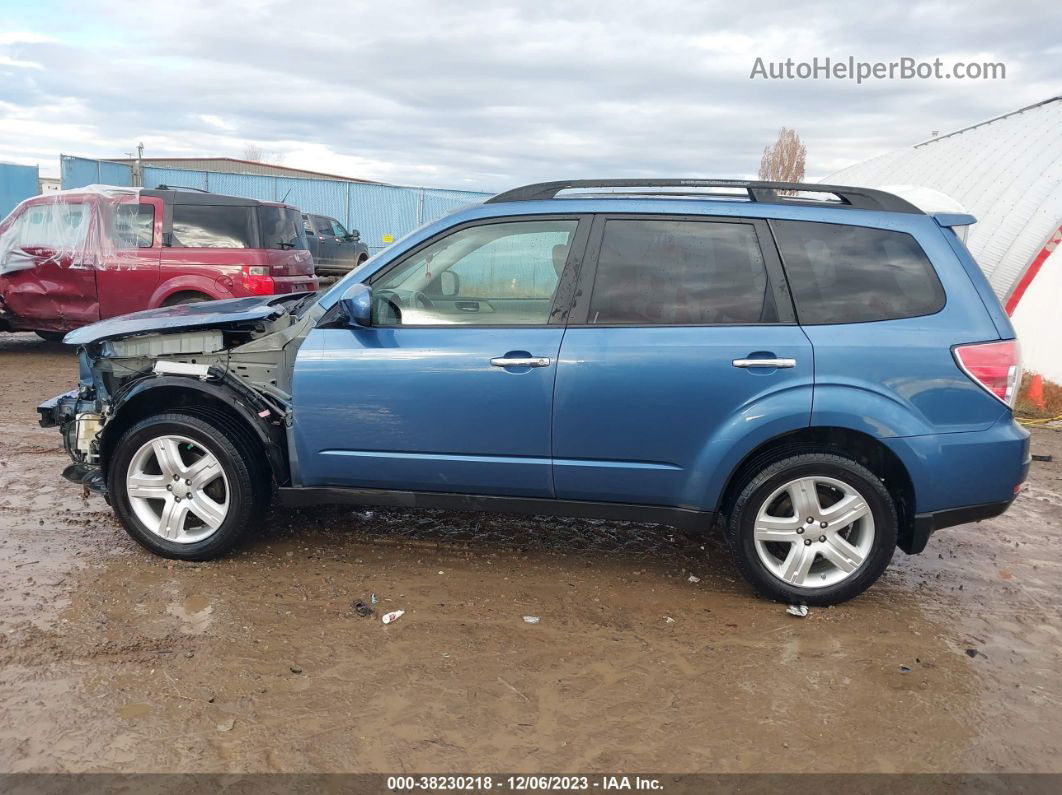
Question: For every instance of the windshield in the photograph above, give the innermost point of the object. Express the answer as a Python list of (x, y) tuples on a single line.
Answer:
[(281, 228)]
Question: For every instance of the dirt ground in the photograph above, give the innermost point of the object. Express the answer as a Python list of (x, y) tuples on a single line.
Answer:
[(114, 660)]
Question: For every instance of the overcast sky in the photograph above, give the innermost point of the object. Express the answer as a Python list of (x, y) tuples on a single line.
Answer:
[(447, 94)]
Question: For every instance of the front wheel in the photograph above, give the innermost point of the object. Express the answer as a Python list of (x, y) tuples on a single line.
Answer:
[(186, 487), (814, 529)]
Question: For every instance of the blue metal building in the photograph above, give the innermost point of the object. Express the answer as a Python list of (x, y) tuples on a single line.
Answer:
[(382, 213)]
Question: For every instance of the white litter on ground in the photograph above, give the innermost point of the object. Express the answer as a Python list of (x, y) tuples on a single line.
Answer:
[(531, 619), (394, 615), (800, 611)]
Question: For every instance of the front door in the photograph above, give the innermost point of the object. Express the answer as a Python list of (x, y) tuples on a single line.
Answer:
[(451, 389), (658, 379), (49, 269)]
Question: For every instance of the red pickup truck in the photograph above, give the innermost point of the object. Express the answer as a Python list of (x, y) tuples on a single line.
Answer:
[(76, 257)]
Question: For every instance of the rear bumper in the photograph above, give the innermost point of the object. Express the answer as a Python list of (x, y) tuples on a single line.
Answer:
[(294, 284), (925, 524), (961, 477)]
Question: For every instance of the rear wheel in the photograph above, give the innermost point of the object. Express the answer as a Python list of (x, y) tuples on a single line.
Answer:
[(813, 529), (185, 486), (51, 336), (185, 298)]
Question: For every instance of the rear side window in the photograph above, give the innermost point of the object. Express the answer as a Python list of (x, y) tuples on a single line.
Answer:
[(672, 272), (213, 226), (854, 274), (134, 226), (281, 228)]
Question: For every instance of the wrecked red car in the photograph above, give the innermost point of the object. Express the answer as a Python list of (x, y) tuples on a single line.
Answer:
[(75, 257)]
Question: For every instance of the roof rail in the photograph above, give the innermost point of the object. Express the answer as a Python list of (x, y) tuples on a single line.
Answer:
[(762, 192)]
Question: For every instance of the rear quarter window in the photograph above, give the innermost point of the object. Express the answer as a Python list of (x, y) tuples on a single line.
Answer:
[(855, 274), (213, 226)]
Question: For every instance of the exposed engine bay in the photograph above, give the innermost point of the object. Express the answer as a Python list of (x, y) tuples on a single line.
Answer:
[(244, 362)]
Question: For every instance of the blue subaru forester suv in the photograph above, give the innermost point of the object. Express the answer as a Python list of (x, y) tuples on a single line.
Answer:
[(822, 370)]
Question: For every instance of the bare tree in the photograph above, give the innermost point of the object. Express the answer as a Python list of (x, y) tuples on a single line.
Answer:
[(253, 153), (257, 154), (784, 161)]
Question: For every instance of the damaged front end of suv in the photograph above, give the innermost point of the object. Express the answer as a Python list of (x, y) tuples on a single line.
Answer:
[(229, 361)]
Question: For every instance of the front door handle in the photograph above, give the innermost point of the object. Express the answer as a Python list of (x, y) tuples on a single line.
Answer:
[(776, 363), (520, 361)]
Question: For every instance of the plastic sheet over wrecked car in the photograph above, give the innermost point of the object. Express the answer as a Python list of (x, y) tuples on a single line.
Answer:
[(53, 247), (80, 228)]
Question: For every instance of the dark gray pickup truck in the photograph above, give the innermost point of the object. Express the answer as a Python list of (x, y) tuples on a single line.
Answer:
[(334, 249)]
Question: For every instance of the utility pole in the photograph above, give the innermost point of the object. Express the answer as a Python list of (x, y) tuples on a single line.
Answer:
[(138, 176)]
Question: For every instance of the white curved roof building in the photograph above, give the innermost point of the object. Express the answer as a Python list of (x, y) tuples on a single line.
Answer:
[(1007, 172)]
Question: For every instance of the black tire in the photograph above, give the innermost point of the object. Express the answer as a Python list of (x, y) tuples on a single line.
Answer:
[(757, 487), (249, 485), (186, 298), (51, 336)]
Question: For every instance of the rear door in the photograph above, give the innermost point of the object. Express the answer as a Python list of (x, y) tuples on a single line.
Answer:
[(128, 274), (50, 275), (658, 375)]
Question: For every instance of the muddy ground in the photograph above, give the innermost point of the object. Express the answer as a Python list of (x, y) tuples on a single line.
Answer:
[(114, 660)]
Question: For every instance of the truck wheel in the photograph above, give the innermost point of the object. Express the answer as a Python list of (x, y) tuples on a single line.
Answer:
[(815, 529), (187, 487)]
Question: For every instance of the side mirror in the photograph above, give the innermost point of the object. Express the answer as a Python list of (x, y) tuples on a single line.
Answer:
[(355, 235), (449, 284), (357, 305)]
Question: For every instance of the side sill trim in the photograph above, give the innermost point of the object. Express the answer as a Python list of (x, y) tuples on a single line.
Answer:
[(681, 518), (925, 524)]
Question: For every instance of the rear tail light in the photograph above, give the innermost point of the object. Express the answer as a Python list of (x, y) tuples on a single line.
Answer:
[(257, 280), (995, 366)]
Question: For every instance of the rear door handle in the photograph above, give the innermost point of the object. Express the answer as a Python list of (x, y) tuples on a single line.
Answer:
[(521, 361), (777, 363)]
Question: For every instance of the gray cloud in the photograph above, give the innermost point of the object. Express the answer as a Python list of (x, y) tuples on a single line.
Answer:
[(486, 97)]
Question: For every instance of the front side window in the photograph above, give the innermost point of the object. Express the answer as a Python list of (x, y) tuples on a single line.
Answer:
[(672, 272), (338, 230), (55, 226), (855, 274), (281, 228), (492, 275), (213, 226)]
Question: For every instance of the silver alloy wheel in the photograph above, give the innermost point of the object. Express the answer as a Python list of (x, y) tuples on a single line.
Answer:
[(177, 489), (814, 532)]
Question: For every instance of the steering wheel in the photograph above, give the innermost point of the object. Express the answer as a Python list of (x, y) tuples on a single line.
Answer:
[(392, 301)]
